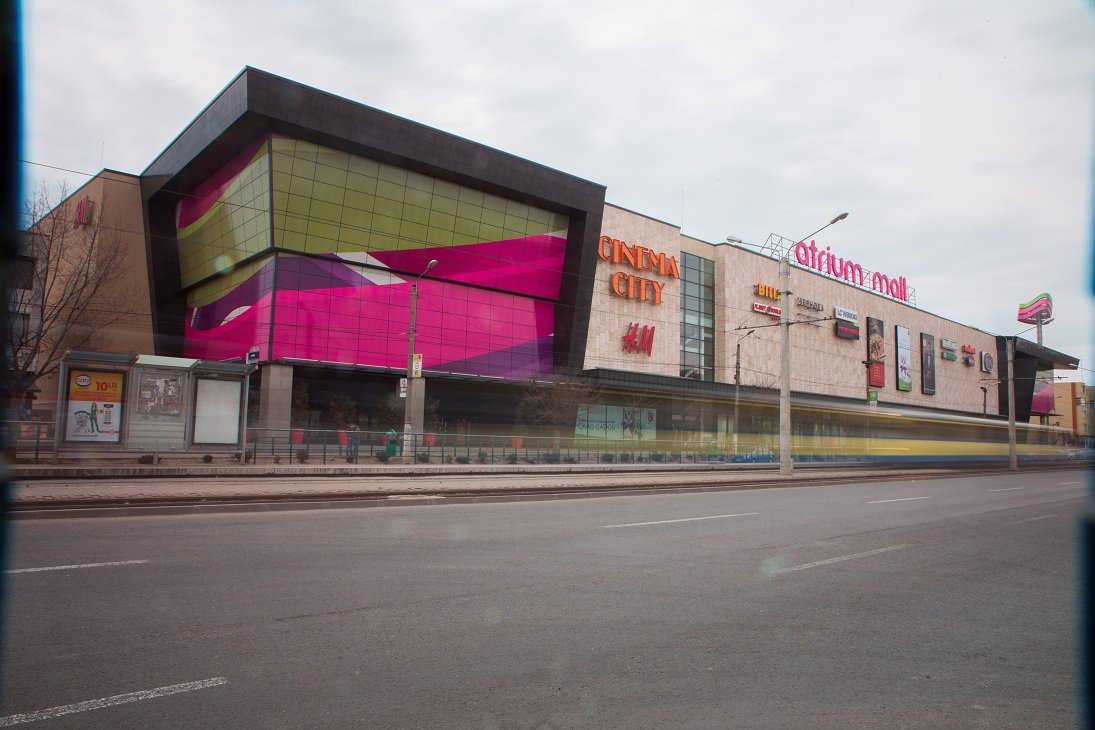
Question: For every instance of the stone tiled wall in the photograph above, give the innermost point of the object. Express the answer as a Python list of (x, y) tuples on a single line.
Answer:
[(610, 315), (821, 362)]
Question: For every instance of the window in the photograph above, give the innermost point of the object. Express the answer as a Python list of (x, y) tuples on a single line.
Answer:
[(697, 318), (22, 272)]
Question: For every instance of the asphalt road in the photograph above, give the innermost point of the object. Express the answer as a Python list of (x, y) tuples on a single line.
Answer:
[(922, 604)]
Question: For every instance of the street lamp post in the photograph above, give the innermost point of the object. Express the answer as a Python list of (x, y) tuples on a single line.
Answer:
[(412, 405), (786, 466)]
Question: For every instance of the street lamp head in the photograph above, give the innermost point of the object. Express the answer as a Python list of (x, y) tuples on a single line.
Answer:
[(839, 218), (433, 262)]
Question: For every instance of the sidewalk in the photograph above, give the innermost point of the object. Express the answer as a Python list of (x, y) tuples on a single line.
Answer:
[(50, 491)]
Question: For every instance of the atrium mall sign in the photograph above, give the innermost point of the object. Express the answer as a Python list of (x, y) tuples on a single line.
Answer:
[(641, 259), (826, 263)]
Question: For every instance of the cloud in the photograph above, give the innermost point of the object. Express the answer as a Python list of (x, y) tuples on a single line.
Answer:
[(957, 134)]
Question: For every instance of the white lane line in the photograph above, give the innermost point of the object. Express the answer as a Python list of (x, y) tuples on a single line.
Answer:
[(903, 499), (146, 694), (1061, 484), (685, 519), (1006, 489), (1030, 519), (74, 567), (837, 560)]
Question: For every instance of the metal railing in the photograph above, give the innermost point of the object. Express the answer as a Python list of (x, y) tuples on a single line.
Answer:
[(27, 439), (33, 441), (332, 446)]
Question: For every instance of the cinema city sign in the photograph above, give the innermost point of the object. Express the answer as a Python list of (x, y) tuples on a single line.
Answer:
[(826, 263), (639, 258)]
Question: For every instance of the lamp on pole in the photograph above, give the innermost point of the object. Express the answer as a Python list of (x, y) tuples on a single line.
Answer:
[(411, 405), (786, 465)]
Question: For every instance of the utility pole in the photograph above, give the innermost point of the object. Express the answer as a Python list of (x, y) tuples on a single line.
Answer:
[(737, 392), (785, 464), (1013, 458)]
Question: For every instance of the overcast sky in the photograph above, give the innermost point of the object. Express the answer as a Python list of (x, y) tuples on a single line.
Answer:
[(958, 135)]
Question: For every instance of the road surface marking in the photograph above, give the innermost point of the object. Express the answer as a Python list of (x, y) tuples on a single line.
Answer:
[(1030, 519), (837, 560), (685, 519), (147, 694), (1006, 489), (1061, 484), (903, 499), (74, 567)]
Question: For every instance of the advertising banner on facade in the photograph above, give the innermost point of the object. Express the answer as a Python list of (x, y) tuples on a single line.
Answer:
[(94, 406), (904, 358), (927, 364), (876, 350)]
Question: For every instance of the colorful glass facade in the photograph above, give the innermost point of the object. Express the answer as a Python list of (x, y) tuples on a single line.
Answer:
[(298, 251)]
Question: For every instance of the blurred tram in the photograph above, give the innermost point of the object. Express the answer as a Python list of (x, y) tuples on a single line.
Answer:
[(896, 435)]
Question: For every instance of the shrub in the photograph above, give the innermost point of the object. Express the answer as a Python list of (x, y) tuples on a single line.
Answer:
[(570, 459), (511, 458), (461, 459), (422, 458), (146, 459), (301, 456), (382, 457), (481, 457), (608, 458), (208, 458)]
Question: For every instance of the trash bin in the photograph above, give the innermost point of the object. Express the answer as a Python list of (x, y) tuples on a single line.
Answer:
[(392, 444)]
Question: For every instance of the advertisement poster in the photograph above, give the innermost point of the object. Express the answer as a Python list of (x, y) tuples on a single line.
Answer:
[(94, 407), (904, 358), (617, 423), (927, 364), (876, 350), (159, 395)]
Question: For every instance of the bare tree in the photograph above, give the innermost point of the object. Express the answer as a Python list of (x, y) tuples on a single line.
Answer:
[(62, 294), (554, 404)]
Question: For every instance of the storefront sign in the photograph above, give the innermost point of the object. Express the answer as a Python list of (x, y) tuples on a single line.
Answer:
[(94, 406), (953, 357), (851, 272), (946, 344), (876, 374), (847, 315), (639, 258), (639, 340), (847, 331), (768, 292), (810, 304), (988, 362), (767, 309), (969, 355)]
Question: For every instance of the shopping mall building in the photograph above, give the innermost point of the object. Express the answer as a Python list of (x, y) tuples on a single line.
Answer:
[(286, 227)]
